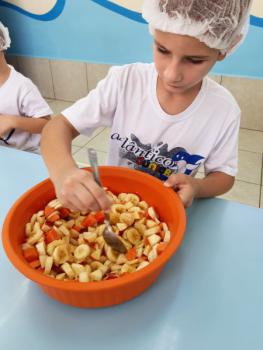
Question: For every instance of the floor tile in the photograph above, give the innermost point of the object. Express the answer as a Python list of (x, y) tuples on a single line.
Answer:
[(82, 159), (101, 141), (82, 140), (58, 106), (70, 79), (250, 140), (249, 94), (245, 193), (249, 165), (75, 149)]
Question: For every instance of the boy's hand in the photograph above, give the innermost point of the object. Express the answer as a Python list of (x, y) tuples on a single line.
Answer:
[(76, 189), (6, 124), (186, 187)]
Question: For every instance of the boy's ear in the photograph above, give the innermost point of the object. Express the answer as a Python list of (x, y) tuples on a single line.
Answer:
[(221, 56)]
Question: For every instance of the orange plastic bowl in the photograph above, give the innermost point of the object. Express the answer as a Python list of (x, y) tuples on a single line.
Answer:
[(103, 293)]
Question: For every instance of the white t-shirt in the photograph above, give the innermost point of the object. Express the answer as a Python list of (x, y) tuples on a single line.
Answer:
[(20, 97), (146, 138)]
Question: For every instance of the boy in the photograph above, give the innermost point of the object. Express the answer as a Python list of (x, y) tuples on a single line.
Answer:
[(23, 111), (166, 118)]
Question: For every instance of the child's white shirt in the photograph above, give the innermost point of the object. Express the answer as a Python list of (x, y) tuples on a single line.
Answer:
[(146, 138), (20, 97)]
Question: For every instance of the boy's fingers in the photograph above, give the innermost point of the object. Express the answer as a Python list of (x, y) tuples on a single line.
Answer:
[(99, 195), (172, 181)]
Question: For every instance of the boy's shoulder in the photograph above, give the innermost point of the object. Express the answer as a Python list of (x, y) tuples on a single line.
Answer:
[(19, 80), (219, 93), (137, 69)]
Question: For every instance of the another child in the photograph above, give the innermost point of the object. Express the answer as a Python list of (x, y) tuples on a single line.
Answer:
[(23, 111), (167, 118)]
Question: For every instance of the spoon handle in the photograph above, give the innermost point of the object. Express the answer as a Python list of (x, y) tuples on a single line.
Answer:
[(92, 154)]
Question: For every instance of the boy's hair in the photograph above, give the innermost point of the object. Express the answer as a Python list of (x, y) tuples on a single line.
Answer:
[(220, 24), (4, 38)]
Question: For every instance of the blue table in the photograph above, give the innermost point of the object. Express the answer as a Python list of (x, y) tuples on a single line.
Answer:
[(208, 297)]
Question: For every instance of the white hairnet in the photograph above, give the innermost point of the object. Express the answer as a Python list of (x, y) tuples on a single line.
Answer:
[(217, 23), (4, 38)]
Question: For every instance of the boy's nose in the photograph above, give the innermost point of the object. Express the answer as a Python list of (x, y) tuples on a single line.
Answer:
[(173, 72)]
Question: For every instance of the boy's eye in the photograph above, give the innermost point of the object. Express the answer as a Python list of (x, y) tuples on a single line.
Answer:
[(162, 50), (195, 61)]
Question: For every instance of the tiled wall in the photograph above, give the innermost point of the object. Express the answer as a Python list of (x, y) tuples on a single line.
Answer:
[(71, 80)]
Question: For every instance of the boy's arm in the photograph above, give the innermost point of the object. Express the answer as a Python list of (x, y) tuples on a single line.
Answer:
[(31, 125), (75, 188), (188, 188)]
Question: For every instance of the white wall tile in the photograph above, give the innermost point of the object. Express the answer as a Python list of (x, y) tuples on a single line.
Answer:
[(38, 70), (95, 73), (70, 80), (216, 78)]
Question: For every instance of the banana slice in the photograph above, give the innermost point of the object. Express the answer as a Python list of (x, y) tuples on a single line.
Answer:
[(114, 218), (64, 230), (60, 254), (82, 252), (121, 259), (127, 219), (140, 227), (154, 239), (90, 236), (51, 246), (29, 231), (96, 275), (152, 213), (121, 226), (68, 270), (35, 238), (131, 197), (96, 254), (143, 205), (42, 259), (41, 248), (61, 276), (150, 223), (152, 231), (167, 236), (133, 235), (153, 254), (111, 255), (78, 268), (142, 265), (48, 265), (84, 276)]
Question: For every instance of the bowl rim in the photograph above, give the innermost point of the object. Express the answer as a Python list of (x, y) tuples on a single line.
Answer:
[(76, 286)]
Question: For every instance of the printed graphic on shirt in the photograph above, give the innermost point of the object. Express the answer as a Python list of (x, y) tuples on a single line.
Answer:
[(156, 160)]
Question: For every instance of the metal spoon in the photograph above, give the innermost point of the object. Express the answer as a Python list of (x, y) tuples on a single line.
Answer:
[(109, 235)]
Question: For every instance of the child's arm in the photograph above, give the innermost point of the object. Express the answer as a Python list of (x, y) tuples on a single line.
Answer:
[(75, 188), (188, 188), (31, 125)]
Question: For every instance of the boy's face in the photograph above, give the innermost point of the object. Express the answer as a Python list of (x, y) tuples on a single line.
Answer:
[(182, 61)]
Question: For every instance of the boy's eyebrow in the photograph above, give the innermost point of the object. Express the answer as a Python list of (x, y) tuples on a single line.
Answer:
[(188, 56)]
